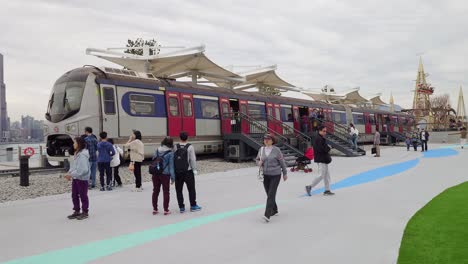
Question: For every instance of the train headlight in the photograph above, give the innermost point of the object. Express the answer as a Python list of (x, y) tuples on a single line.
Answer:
[(71, 128)]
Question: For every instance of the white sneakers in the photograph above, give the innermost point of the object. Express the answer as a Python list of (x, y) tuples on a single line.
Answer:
[(137, 189)]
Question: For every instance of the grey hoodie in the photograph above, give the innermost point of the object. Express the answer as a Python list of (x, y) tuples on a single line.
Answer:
[(80, 169)]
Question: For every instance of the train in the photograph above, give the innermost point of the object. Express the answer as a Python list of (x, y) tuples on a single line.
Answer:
[(118, 101)]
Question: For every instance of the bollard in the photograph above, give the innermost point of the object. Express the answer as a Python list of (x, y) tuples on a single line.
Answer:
[(19, 152), (24, 170), (42, 158), (9, 154)]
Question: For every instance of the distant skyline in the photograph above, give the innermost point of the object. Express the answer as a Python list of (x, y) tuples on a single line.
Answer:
[(374, 45)]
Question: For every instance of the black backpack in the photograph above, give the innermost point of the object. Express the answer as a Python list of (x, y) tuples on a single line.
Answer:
[(157, 165), (181, 162)]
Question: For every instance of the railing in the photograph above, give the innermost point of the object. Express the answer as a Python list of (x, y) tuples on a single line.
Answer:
[(338, 129), (303, 140), (256, 127)]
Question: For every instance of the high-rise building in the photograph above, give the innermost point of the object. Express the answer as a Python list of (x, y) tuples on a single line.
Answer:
[(4, 126)]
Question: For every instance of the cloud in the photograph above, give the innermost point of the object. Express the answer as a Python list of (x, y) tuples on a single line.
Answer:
[(373, 44)]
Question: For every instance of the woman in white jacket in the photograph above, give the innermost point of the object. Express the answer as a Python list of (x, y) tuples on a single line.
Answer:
[(115, 163)]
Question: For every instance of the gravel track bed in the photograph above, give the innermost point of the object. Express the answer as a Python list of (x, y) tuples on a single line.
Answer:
[(51, 184)]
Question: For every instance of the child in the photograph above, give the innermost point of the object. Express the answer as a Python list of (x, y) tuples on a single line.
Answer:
[(80, 172), (408, 143), (105, 153), (115, 163)]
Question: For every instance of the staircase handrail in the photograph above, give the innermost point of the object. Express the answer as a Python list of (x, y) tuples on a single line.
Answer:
[(264, 129), (302, 137)]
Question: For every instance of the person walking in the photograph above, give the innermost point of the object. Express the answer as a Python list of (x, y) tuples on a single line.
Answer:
[(79, 174), (115, 163), (354, 133), (415, 141), (137, 155), (408, 143), (91, 145), (424, 136), (377, 143), (185, 166), (105, 153), (322, 158), (271, 160), (163, 173)]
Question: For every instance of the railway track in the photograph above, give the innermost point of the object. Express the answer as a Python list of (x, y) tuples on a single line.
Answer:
[(16, 172)]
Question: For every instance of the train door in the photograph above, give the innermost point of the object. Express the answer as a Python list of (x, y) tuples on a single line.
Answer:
[(367, 122), (174, 119), (297, 125), (377, 122), (270, 116), (188, 114), (401, 121), (226, 117), (277, 115), (244, 124), (392, 123), (327, 113), (110, 117)]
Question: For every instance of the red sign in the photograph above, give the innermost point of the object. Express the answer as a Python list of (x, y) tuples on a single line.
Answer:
[(29, 151)]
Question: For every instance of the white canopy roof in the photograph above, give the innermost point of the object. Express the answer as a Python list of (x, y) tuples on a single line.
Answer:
[(265, 76), (187, 62), (376, 100), (350, 97)]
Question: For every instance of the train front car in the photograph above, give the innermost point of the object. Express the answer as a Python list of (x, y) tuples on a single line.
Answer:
[(72, 106)]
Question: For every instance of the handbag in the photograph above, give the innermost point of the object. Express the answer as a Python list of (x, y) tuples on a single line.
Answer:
[(374, 150), (131, 167), (260, 168)]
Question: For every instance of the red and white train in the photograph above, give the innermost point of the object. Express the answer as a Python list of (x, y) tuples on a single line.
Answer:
[(118, 101)]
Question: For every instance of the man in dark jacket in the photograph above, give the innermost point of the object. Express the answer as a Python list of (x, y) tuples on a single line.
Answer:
[(322, 158)]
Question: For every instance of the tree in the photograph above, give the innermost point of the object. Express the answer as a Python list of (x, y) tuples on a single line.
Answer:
[(268, 90), (139, 42), (440, 111)]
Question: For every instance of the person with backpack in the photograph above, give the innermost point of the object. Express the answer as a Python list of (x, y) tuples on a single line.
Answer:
[(115, 163), (79, 172), (270, 159), (162, 171), (323, 158), (185, 165), (105, 153), (91, 146)]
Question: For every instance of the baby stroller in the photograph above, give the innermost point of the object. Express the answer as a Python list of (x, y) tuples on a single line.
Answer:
[(302, 163)]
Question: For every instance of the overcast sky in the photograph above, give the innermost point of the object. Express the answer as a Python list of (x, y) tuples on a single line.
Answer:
[(371, 44)]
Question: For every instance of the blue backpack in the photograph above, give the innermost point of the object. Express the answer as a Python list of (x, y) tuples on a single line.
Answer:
[(157, 165)]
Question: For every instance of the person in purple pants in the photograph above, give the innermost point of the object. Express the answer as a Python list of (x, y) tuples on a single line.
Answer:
[(79, 173)]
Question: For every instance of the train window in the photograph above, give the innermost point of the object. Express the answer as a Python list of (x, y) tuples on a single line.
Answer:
[(337, 117), (287, 114), (257, 110), (142, 104), (358, 119), (277, 113), (174, 106), (244, 109), (109, 100), (210, 109), (225, 108), (296, 114), (187, 107), (270, 111)]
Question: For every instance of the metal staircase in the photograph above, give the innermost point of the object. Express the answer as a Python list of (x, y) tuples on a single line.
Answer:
[(339, 139), (254, 138), (295, 137), (399, 137)]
